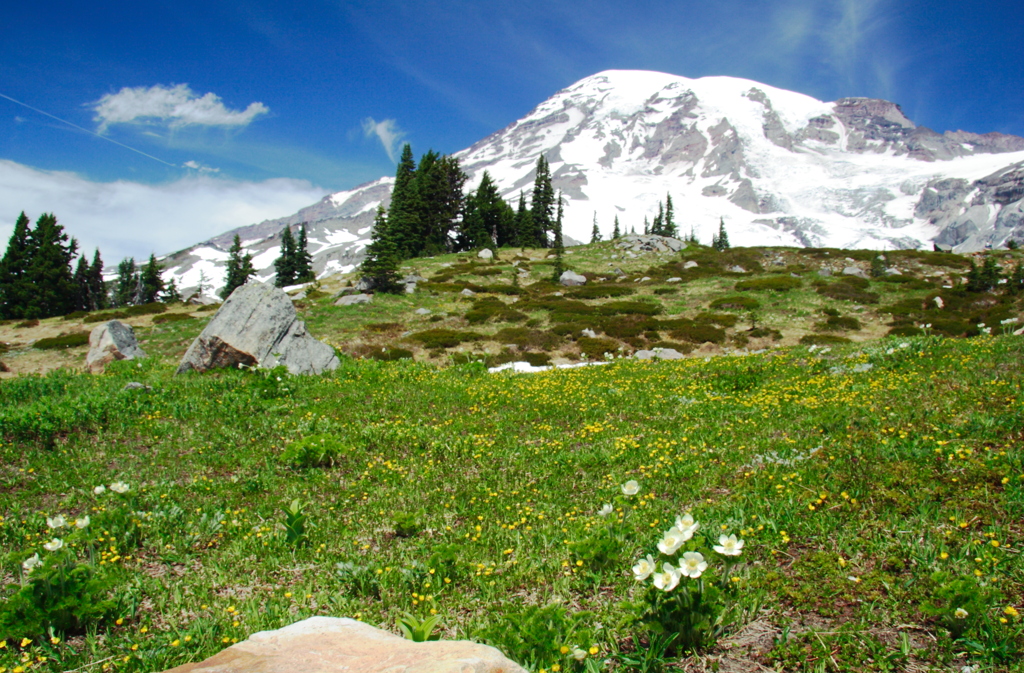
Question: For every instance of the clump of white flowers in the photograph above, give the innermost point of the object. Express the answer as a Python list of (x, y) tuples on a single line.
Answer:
[(691, 564)]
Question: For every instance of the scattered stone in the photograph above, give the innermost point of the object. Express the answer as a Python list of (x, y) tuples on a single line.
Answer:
[(659, 354), (298, 296), (559, 294), (736, 268), (485, 254), (618, 272), (630, 254), (649, 243), (413, 278), (891, 271), (854, 271), (352, 299), (939, 303), (135, 385), (344, 292), (466, 292), (410, 288), (825, 272), (674, 279), (114, 341), (571, 278), (422, 311), (364, 284), (339, 644), (645, 279), (257, 325), (587, 332), (690, 265)]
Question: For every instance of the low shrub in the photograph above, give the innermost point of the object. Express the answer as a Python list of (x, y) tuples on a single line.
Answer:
[(664, 291), (104, 317), (823, 340), (904, 331), (736, 303), (534, 359), (838, 323), (28, 323), (76, 315), (599, 291), (698, 334), (383, 327), (145, 309), (489, 271), (207, 307), (762, 332), (66, 341), (595, 348), (720, 319), (569, 329), (906, 282), (629, 307), (523, 337), (492, 308), (769, 283), (848, 291), (390, 354), (324, 450), (444, 338), (674, 345), (631, 325), (172, 317)]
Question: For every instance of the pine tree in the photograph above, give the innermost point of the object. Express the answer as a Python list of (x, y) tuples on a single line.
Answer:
[(657, 227), (595, 233), (172, 295), (380, 266), (302, 262), (14, 285), (82, 289), (616, 233), (524, 224), (152, 284), (127, 280), (239, 268), (669, 226), (647, 226), (284, 266), (403, 213), (483, 217), (97, 286), (720, 241), (438, 198), (49, 270), (557, 243), (542, 204)]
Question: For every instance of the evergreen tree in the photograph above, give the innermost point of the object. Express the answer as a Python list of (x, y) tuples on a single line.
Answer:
[(616, 233), (1015, 284), (595, 233), (647, 226), (524, 224), (657, 227), (542, 204), (14, 285), (82, 289), (403, 213), (438, 186), (172, 295), (49, 270), (152, 284), (380, 266), (284, 266), (557, 242), (239, 269), (302, 262), (127, 281), (632, 230), (720, 241), (485, 215), (97, 286), (669, 226)]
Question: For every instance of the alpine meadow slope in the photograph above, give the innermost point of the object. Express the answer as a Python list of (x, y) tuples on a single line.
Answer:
[(780, 168)]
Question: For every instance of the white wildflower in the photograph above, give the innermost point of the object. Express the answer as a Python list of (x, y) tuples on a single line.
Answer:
[(82, 523), (668, 578), (672, 541), (31, 562), (56, 522), (54, 544), (693, 565), (605, 510), (643, 568), (119, 487), (630, 487), (728, 545)]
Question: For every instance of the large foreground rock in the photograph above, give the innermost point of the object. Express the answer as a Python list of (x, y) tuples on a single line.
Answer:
[(258, 325), (328, 644), (111, 341)]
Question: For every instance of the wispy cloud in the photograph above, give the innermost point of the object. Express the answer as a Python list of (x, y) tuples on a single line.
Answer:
[(131, 219), (196, 166), (387, 132), (174, 106)]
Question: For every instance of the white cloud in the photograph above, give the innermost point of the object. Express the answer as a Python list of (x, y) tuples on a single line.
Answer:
[(196, 166), (387, 132), (129, 219), (173, 105)]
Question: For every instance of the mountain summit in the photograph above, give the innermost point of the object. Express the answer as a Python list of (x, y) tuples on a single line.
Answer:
[(779, 167)]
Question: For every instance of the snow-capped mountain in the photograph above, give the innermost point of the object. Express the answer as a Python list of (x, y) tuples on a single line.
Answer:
[(780, 168)]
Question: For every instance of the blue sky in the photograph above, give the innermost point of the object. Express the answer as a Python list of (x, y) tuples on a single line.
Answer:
[(238, 110)]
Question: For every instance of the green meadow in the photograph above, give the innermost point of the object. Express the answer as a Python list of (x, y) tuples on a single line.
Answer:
[(877, 482)]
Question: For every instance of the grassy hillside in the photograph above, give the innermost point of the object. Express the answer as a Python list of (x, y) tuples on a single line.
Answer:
[(878, 486)]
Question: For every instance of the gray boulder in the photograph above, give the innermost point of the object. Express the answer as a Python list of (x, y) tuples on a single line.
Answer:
[(571, 278), (854, 271), (112, 341), (485, 254), (466, 292), (349, 300), (422, 311), (659, 354), (737, 269), (690, 264), (257, 325)]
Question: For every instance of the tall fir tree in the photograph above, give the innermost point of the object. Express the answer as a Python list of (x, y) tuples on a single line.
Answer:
[(380, 266), (721, 240), (556, 243), (126, 283), (657, 226), (49, 269), (669, 225), (483, 217), (239, 268), (97, 286), (302, 262), (403, 213), (15, 287), (284, 266), (616, 232), (172, 295), (82, 289), (647, 226), (438, 189), (151, 281), (542, 204), (595, 233), (524, 224)]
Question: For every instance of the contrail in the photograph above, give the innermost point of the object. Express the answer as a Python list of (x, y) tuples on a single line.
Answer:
[(109, 140)]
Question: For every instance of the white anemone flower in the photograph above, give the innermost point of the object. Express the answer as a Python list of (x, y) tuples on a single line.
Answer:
[(578, 654), (673, 540), (961, 613), (693, 565), (119, 487), (56, 522), (31, 562), (643, 568), (100, 490), (83, 522), (668, 578), (687, 525), (605, 510), (728, 545), (54, 544), (630, 487)]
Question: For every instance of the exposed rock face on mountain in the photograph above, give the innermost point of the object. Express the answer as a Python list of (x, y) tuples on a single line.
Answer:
[(778, 167)]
